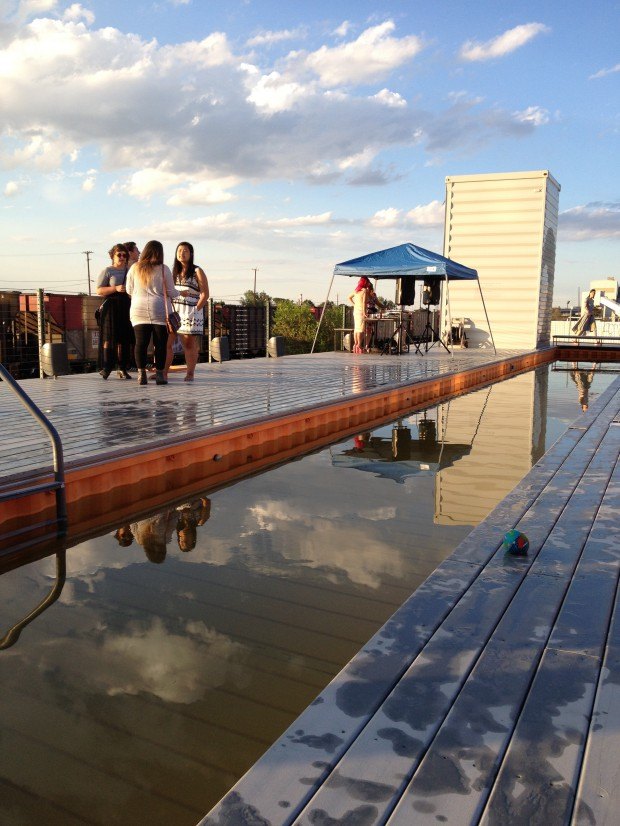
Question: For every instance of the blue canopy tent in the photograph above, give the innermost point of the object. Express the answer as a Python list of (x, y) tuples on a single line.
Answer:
[(408, 261)]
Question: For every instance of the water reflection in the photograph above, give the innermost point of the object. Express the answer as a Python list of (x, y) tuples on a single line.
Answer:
[(400, 455), (155, 532), (146, 690), (583, 379)]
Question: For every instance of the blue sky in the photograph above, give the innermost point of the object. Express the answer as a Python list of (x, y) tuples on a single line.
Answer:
[(290, 136)]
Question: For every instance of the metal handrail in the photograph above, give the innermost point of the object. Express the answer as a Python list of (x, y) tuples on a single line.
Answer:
[(12, 635), (58, 460)]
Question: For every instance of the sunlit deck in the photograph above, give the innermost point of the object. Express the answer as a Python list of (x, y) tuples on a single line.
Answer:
[(130, 442)]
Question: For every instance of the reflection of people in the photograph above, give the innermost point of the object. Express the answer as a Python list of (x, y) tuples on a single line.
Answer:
[(361, 441), (124, 536), (191, 515), (190, 307), (359, 299), (583, 381), (154, 533), (586, 319), (115, 331), (149, 313)]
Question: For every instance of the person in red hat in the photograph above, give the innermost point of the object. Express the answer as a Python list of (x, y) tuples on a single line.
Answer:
[(359, 299)]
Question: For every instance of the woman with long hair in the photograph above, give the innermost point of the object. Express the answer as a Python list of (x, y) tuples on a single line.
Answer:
[(190, 277), (115, 330), (586, 320), (146, 282)]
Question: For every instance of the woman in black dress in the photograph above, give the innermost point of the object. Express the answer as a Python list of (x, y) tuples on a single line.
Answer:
[(116, 338)]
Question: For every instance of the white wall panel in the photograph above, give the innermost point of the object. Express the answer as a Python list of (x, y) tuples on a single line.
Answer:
[(505, 226)]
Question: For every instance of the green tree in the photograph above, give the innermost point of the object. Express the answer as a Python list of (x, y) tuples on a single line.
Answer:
[(298, 326), (252, 299), (296, 323)]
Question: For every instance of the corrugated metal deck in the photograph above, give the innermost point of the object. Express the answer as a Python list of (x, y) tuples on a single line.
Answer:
[(491, 696), (133, 443)]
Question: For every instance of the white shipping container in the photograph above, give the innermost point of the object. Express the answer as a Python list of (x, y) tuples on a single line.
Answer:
[(505, 226)]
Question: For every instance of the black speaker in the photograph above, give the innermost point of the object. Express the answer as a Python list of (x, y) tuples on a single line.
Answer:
[(431, 292), (405, 291)]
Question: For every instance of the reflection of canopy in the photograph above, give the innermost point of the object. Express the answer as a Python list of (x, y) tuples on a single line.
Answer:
[(405, 260), (416, 456)]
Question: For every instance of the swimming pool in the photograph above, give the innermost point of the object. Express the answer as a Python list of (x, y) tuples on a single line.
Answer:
[(161, 674)]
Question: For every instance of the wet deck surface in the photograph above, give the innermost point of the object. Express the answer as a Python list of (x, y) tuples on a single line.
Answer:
[(491, 696), (97, 419)]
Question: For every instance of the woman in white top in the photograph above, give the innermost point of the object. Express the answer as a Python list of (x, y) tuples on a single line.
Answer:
[(149, 311), (359, 299)]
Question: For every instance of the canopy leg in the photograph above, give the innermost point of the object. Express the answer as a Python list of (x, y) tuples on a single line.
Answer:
[(318, 326)]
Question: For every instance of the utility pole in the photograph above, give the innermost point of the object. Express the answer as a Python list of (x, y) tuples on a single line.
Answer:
[(88, 253), (255, 271)]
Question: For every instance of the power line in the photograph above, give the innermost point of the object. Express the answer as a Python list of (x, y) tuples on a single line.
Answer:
[(37, 254)]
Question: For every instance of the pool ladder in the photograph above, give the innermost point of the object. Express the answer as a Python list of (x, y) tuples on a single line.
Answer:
[(57, 484)]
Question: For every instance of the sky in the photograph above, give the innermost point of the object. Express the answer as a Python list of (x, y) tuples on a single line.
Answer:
[(283, 138)]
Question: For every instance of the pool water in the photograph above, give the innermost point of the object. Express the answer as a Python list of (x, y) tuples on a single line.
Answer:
[(183, 644)]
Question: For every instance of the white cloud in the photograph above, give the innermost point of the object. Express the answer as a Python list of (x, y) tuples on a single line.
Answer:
[(343, 29), (189, 121), (304, 220), (360, 159), (77, 12), (274, 93), (430, 215), (605, 72), (389, 217), (389, 98), (213, 191), (372, 56), (11, 189), (503, 44), (423, 215), (89, 183), (268, 38), (590, 221), (177, 667), (534, 115)]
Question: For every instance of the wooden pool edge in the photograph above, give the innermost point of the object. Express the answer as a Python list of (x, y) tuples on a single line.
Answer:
[(105, 491)]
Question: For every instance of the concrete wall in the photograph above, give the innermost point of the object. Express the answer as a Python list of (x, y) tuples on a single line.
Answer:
[(505, 226)]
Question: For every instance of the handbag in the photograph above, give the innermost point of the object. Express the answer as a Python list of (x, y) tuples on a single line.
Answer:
[(173, 320), (98, 312)]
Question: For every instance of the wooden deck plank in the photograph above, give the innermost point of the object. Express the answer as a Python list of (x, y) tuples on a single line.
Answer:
[(458, 770), (573, 469), (598, 793), (413, 713)]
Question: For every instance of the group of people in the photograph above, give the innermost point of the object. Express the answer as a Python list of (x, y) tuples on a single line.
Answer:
[(140, 292), (155, 532), (365, 302)]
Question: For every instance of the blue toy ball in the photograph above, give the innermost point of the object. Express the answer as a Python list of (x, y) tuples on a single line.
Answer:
[(516, 543)]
